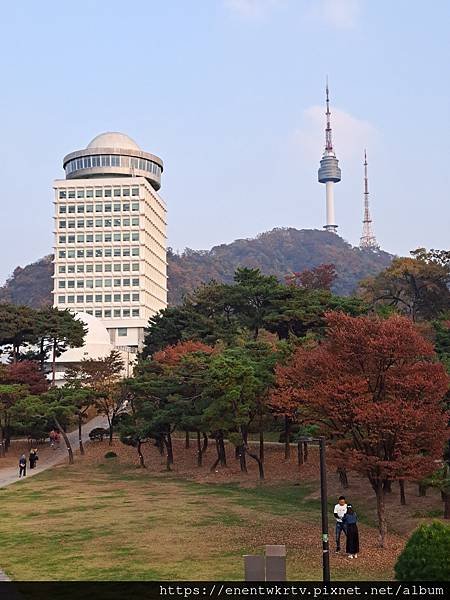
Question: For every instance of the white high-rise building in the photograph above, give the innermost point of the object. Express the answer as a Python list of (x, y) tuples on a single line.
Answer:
[(110, 237)]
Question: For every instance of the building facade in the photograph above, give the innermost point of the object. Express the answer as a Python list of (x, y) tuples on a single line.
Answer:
[(110, 237)]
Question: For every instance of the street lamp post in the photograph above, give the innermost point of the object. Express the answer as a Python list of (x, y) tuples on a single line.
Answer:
[(324, 505)]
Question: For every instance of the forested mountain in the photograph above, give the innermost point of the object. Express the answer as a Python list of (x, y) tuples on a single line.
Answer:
[(278, 252)]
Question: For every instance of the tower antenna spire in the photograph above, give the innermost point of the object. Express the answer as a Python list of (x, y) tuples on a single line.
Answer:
[(367, 240), (329, 171)]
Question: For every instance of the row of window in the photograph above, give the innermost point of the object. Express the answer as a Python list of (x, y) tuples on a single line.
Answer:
[(100, 268), (98, 252), (107, 313), (98, 192), (82, 223), (89, 238), (80, 298), (112, 160), (106, 207), (106, 252), (98, 283)]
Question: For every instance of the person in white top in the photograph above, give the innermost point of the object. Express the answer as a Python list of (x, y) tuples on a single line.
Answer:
[(339, 511)]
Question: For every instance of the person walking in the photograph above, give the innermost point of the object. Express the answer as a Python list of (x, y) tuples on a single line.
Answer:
[(33, 458), (350, 519), (22, 466), (339, 512)]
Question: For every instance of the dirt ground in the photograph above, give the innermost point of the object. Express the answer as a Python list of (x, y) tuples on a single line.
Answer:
[(401, 519)]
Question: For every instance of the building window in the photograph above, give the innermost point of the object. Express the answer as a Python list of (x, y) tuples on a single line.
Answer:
[(89, 298), (108, 207), (80, 268), (89, 237), (99, 283), (116, 207), (108, 268), (108, 282), (135, 206), (89, 253), (89, 223), (62, 269), (71, 239), (89, 283), (97, 312), (108, 251), (135, 266), (80, 283), (135, 236), (63, 209), (80, 299), (126, 282), (70, 299), (88, 311), (89, 268), (116, 222), (108, 237), (107, 297), (80, 208), (80, 237), (71, 283), (62, 224), (98, 297), (116, 192), (125, 252), (80, 254), (135, 282), (125, 297), (121, 331), (98, 268), (125, 207), (80, 223), (62, 254), (108, 193), (135, 221), (99, 208), (70, 253), (135, 191), (107, 313), (89, 208), (99, 237), (126, 191), (62, 239), (116, 238), (116, 251), (135, 312), (71, 268), (108, 222), (62, 284), (89, 193), (61, 299), (117, 312), (116, 282), (71, 194), (126, 267), (126, 312), (135, 297), (99, 222), (80, 193), (98, 192), (98, 252), (134, 251), (126, 222), (126, 236), (116, 267), (62, 193), (116, 297)]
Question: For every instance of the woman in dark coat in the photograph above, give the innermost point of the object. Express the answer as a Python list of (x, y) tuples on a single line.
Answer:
[(351, 519)]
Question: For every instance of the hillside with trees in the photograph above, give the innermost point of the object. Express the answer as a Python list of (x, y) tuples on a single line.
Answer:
[(279, 252)]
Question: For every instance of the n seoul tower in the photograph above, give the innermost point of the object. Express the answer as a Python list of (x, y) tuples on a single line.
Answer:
[(329, 171), (368, 240)]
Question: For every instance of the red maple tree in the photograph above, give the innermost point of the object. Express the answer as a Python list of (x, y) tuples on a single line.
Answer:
[(376, 387), (26, 372), (171, 355), (321, 277)]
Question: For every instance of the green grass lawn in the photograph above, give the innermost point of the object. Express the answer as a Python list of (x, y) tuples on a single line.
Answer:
[(117, 522)]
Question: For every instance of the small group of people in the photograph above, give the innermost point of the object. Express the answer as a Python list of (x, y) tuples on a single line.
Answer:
[(346, 521), (33, 458)]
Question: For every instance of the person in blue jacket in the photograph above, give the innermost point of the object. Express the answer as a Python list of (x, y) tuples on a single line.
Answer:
[(350, 519)]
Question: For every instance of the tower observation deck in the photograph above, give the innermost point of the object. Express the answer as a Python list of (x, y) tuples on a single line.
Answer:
[(329, 171)]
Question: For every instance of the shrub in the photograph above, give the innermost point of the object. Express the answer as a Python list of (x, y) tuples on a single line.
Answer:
[(426, 555), (110, 455)]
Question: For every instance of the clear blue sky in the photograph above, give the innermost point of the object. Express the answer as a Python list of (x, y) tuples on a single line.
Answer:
[(229, 93)]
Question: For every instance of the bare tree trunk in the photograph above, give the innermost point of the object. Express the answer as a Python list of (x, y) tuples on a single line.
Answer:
[(187, 440), (287, 437), (199, 450), (66, 440), (258, 460), (111, 428), (381, 513), (141, 456), (80, 439), (223, 455), (216, 462), (205, 443), (422, 489), (2, 442), (305, 450), (401, 483), (387, 486), (300, 458), (342, 472), (446, 499), (169, 448), (261, 446)]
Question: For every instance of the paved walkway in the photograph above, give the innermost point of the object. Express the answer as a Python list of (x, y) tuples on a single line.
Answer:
[(9, 475)]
